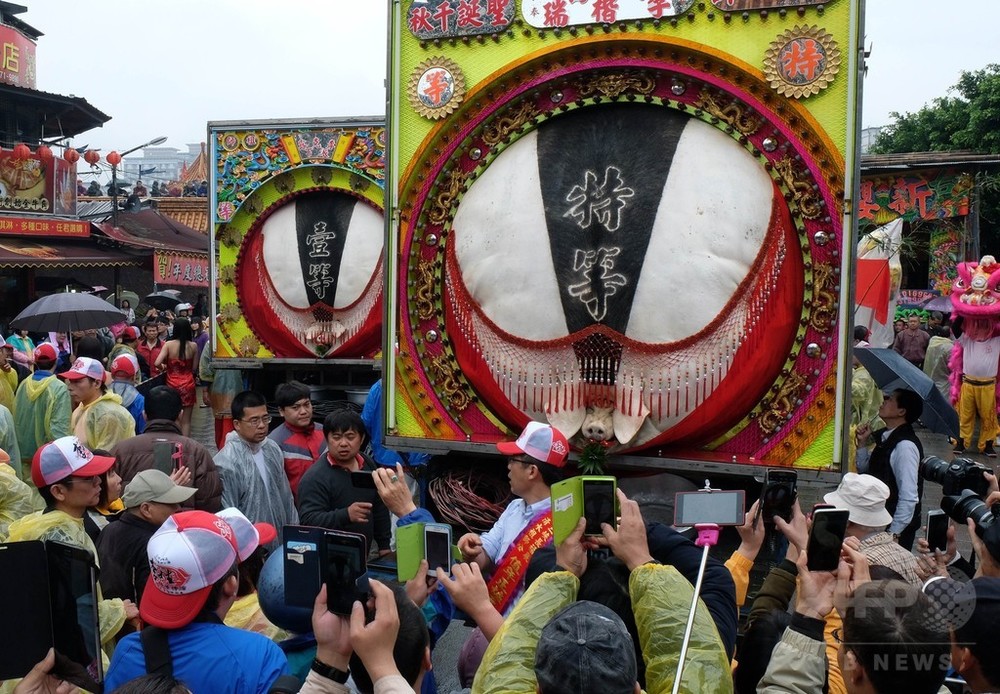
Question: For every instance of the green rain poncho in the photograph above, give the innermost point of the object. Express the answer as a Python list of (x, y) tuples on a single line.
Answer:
[(8, 440), (17, 499), (41, 414), (661, 598)]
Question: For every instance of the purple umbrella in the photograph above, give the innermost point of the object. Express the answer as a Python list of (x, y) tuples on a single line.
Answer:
[(939, 303)]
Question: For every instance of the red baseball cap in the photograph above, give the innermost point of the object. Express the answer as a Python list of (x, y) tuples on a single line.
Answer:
[(66, 457), (189, 553), (541, 441), (45, 351), (130, 333), (124, 364)]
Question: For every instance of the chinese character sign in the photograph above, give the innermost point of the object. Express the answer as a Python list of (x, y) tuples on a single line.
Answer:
[(554, 14), (181, 270), (435, 19), (17, 58)]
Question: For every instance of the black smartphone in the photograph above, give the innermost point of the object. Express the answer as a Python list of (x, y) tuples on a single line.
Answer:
[(26, 605), (303, 546), (599, 503), (777, 495), (363, 479), (937, 530), (163, 456), (76, 628), (826, 538), (717, 506), (437, 546), (346, 570)]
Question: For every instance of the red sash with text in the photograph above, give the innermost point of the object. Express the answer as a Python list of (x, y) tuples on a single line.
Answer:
[(508, 578)]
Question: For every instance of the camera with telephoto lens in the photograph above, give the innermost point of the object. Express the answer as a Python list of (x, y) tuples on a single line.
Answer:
[(964, 505), (956, 476)]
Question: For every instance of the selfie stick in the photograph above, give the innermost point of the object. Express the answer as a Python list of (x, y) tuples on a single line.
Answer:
[(708, 537)]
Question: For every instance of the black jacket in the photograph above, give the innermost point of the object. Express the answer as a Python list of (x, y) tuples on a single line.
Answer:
[(121, 548), (325, 492)]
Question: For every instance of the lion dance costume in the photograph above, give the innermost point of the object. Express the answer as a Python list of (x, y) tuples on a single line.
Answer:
[(975, 296)]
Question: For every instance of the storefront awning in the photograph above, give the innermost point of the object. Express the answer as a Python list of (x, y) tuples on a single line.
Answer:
[(150, 229), (16, 253)]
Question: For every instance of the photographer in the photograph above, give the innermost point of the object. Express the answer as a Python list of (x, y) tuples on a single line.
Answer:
[(895, 460), (973, 610)]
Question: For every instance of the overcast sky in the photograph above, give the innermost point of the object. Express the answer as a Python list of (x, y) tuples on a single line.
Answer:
[(167, 68)]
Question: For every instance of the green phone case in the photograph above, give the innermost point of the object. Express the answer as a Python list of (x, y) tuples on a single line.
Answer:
[(567, 504), (410, 550)]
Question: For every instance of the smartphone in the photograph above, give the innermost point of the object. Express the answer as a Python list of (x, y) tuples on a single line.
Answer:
[(826, 538), (937, 530), (346, 573), (166, 455), (363, 479), (303, 563), (717, 506), (437, 546), (26, 605), (599, 504), (777, 496), (76, 628)]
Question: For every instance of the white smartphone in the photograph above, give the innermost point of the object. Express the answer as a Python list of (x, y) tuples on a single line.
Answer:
[(437, 546)]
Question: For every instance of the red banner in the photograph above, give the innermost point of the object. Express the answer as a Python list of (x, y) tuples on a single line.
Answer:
[(180, 269), (17, 58), (27, 226)]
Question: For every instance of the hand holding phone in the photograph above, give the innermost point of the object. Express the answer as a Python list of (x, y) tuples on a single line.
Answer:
[(826, 538), (437, 546), (937, 530), (346, 570), (777, 495), (716, 506)]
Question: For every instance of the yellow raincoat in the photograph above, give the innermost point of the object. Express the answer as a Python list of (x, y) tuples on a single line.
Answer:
[(8, 440), (17, 499), (43, 409), (246, 614), (661, 598), (102, 424), (8, 384)]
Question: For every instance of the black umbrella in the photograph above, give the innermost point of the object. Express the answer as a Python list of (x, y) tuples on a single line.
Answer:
[(65, 312), (890, 371), (165, 300)]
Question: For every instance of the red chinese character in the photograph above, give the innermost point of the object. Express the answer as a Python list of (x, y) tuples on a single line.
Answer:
[(437, 86), (658, 8), (556, 14), (605, 11), (496, 10), (468, 14), (867, 207), (802, 58), (420, 20), (444, 14), (900, 199)]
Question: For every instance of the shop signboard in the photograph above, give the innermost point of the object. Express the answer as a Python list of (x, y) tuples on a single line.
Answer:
[(35, 186), (180, 269), (11, 225), (17, 58)]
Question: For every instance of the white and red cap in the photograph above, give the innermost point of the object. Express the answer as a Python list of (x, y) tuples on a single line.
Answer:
[(66, 457), (541, 441), (125, 365), (189, 553), (46, 352), (131, 332), (249, 535), (84, 367)]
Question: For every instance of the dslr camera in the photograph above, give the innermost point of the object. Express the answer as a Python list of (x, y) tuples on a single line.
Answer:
[(957, 476), (967, 505)]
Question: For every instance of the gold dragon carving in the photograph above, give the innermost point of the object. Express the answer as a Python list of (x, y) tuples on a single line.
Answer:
[(783, 403), (446, 197), (613, 85), (824, 312), (740, 116), (424, 290), (803, 193), (447, 376), (501, 128)]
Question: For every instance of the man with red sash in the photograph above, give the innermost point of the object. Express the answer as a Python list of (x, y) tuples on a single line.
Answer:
[(534, 462)]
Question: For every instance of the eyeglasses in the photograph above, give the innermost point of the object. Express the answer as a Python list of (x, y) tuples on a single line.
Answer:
[(258, 421), (91, 480), (523, 461), (838, 635)]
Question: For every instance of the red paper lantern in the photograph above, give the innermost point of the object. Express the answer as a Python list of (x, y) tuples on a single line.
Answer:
[(114, 158), (22, 151), (71, 155), (44, 153), (91, 157)]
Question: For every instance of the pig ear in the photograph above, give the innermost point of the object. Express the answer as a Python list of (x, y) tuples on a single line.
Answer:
[(627, 426), (566, 420)]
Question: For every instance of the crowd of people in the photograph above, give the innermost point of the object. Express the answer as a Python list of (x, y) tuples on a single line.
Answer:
[(165, 189), (191, 594)]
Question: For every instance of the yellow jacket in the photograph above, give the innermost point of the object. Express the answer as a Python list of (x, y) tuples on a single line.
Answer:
[(102, 424)]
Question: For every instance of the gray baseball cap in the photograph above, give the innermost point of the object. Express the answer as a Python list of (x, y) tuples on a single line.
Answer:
[(153, 485), (585, 647)]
